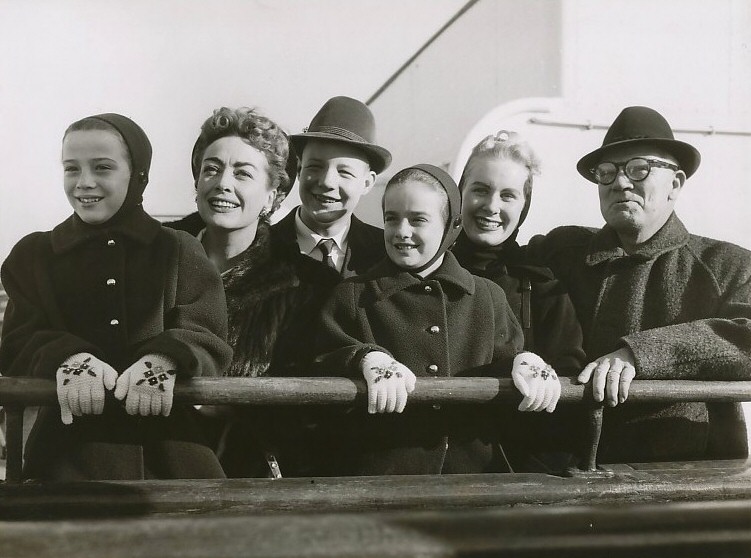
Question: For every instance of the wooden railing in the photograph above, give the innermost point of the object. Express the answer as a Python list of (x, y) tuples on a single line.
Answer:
[(18, 393)]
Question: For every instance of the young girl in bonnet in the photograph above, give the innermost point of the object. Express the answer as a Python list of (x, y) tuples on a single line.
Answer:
[(419, 313), (114, 308)]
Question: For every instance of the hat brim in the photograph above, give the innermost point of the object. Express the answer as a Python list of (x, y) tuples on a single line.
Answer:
[(687, 155), (378, 157)]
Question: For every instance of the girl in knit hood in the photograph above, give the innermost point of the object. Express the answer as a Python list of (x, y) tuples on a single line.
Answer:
[(412, 315), (114, 308)]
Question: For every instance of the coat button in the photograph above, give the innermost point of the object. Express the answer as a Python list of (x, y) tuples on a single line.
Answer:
[(433, 368), (114, 322), (428, 289), (111, 282), (434, 329), (110, 242), (437, 406)]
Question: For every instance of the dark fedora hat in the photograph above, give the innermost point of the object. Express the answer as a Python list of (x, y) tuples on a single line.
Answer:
[(641, 125), (348, 121)]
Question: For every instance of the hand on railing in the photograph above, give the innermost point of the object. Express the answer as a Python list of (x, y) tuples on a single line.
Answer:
[(81, 381), (611, 376), (389, 383), (537, 382), (148, 386)]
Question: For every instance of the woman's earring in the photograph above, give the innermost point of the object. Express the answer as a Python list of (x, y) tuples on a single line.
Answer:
[(264, 214)]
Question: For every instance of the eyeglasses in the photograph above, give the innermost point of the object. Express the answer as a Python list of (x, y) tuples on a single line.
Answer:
[(636, 169)]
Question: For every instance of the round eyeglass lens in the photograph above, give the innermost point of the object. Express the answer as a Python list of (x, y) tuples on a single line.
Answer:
[(637, 169), (605, 173)]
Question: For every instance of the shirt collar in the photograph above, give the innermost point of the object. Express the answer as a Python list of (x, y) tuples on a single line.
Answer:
[(307, 239), (606, 246)]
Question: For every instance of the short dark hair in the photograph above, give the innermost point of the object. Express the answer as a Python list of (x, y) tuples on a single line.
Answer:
[(93, 123), (417, 175)]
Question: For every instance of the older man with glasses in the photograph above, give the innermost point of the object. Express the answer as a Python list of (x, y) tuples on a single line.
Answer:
[(654, 301)]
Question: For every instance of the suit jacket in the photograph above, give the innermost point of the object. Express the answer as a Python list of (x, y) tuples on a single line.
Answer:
[(365, 244)]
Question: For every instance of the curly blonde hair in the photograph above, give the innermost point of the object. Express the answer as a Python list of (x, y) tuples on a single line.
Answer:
[(505, 144)]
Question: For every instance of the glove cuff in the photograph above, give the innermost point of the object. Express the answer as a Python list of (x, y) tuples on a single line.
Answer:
[(530, 359), (159, 359), (76, 358), (375, 358)]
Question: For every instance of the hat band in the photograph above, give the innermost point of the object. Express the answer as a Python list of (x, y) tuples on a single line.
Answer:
[(626, 138), (335, 130)]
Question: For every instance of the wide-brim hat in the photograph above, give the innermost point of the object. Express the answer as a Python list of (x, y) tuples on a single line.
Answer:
[(349, 121), (641, 125)]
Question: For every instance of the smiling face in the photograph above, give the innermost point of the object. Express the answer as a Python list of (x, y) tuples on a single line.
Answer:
[(96, 173), (333, 178), (492, 199), (414, 221), (233, 185), (638, 209)]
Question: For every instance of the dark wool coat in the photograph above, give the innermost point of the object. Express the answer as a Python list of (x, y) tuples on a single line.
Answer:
[(552, 331), (682, 304), (119, 293), (448, 324)]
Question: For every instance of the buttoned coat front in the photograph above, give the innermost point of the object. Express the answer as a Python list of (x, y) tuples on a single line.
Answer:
[(119, 294), (682, 304), (449, 324)]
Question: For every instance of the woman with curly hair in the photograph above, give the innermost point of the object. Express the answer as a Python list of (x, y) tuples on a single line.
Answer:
[(243, 172)]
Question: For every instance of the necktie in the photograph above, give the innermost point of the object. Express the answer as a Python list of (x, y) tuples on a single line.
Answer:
[(326, 247)]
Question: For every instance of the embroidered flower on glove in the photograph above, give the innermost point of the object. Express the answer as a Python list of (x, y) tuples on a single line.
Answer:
[(148, 386), (81, 381), (389, 382), (537, 382)]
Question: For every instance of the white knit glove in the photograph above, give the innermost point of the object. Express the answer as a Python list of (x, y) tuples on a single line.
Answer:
[(81, 381), (389, 382), (537, 381), (149, 385)]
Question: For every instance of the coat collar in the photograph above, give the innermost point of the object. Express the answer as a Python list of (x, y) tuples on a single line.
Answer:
[(606, 246), (137, 225), (390, 279), (494, 261)]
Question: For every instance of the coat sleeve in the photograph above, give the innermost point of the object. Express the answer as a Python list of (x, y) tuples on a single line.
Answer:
[(557, 334), (715, 348), (344, 337), (508, 334), (195, 326), (30, 344)]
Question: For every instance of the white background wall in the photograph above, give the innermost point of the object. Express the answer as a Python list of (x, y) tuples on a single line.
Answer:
[(168, 64)]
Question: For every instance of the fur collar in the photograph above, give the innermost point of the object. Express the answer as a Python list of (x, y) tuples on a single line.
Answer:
[(261, 288)]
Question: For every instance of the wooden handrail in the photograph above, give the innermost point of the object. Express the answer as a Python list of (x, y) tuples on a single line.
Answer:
[(18, 393), (27, 392)]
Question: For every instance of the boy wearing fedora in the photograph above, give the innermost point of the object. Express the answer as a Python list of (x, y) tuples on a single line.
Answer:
[(654, 301), (339, 161)]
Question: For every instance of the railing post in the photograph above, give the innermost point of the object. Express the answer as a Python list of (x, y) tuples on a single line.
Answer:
[(14, 439), (588, 465), (595, 413)]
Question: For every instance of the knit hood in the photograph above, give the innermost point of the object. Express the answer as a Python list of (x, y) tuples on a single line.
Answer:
[(139, 149), (454, 221)]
